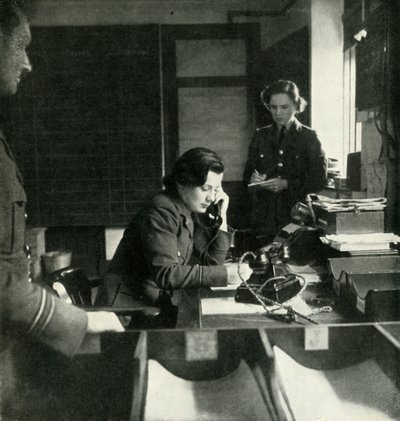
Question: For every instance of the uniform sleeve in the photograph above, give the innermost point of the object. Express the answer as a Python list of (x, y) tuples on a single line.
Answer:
[(251, 159), (28, 310), (160, 232), (315, 176)]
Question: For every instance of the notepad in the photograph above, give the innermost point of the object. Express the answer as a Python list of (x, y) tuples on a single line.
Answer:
[(259, 183)]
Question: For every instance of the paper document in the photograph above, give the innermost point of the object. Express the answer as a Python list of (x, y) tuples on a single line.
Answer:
[(228, 305), (226, 288), (373, 241), (349, 205)]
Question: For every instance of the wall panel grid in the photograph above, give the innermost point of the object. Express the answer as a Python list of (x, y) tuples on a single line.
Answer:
[(85, 125)]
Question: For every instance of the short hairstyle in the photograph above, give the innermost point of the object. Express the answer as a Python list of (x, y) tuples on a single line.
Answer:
[(284, 87), (12, 12), (191, 169)]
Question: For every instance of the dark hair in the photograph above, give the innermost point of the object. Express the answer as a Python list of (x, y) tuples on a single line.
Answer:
[(192, 167), (12, 12), (284, 87)]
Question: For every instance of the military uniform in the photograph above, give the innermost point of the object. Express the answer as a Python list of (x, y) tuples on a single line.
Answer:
[(26, 309), (164, 248), (297, 158)]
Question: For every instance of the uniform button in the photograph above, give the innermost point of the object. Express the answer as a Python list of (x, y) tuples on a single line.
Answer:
[(261, 155), (27, 250), (26, 216), (280, 152), (179, 253), (280, 164)]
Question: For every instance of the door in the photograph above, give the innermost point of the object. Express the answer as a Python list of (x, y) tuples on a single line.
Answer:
[(209, 95)]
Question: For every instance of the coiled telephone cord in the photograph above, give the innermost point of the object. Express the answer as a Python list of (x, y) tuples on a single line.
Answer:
[(291, 313)]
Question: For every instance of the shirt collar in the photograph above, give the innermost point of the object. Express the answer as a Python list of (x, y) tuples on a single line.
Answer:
[(295, 123)]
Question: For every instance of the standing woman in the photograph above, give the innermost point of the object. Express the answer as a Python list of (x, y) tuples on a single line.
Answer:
[(287, 156), (173, 242)]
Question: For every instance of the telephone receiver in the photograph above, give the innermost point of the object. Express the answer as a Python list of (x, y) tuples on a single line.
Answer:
[(268, 260), (270, 277), (212, 217)]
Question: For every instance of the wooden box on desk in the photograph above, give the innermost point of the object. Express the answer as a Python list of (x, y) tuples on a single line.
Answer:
[(363, 222), (368, 284)]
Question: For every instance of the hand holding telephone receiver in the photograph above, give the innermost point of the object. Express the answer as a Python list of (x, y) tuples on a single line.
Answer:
[(213, 217)]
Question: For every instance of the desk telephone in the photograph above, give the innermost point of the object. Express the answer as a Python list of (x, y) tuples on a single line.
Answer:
[(270, 278)]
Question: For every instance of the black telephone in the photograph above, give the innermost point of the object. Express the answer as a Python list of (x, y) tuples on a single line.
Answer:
[(212, 217), (270, 278)]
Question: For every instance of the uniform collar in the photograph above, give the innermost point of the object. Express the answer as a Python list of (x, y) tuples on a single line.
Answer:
[(293, 123), (180, 205)]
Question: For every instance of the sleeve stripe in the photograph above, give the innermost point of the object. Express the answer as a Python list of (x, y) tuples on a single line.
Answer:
[(49, 316), (40, 312)]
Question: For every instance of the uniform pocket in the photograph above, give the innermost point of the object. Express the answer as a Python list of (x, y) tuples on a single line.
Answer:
[(12, 227), (299, 164)]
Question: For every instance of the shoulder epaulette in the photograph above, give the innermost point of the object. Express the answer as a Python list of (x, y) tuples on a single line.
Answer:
[(263, 128)]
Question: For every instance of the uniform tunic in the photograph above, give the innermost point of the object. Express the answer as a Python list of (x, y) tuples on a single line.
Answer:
[(299, 159), (164, 248), (26, 309)]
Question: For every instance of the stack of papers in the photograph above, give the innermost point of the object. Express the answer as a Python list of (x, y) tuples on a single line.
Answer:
[(349, 205), (353, 242)]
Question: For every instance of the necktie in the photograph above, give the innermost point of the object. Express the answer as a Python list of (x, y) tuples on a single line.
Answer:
[(281, 135)]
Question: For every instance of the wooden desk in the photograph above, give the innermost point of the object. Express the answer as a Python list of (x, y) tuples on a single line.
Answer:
[(190, 313)]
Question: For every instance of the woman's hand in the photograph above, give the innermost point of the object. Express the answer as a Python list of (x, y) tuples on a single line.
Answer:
[(233, 275), (275, 185), (222, 199), (256, 177)]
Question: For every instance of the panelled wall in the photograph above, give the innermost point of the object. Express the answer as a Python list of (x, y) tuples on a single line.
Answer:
[(85, 126)]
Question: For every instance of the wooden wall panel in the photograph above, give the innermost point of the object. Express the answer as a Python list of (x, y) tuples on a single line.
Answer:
[(85, 126)]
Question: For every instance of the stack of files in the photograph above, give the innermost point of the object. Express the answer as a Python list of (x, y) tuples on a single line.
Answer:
[(349, 205), (361, 242)]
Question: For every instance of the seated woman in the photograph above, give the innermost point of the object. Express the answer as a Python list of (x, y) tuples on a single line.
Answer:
[(172, 242)]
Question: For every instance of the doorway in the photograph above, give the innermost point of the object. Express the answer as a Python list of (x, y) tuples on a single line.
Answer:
[(209, 95)]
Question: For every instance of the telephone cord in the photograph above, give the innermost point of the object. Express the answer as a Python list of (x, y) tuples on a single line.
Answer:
[(262, 300)]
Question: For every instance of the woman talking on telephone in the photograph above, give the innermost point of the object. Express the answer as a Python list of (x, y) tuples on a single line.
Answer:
[(180, 239)]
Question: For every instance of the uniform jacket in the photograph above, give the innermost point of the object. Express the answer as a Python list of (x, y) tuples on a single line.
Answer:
[(299, 159), (164, 248), (26, 309)]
